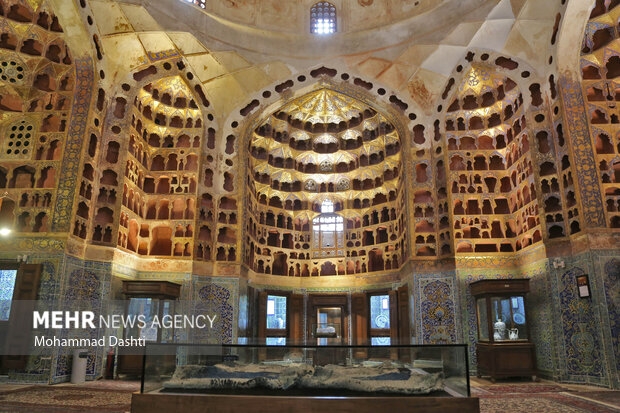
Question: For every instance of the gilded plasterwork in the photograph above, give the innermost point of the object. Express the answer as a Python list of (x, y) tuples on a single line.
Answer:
[(325, 146)]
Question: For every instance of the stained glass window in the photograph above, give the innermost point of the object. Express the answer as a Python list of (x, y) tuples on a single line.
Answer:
[(276, 341), (380, 311), (276, 320), (328, 232), (380, 341), (323, 18), (7, 286), (327, 206), (276, 312), (380, 320)]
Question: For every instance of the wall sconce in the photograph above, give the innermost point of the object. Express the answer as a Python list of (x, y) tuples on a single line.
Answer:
[(583, 286), (558, 263), (22, 258)]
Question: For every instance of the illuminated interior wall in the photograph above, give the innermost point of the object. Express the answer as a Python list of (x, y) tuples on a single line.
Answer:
[(161, 171), (37, 74), (325, 148), (491, 178), (600, 65)]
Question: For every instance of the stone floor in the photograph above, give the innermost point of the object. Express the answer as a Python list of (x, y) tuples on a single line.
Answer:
[(114, 396)]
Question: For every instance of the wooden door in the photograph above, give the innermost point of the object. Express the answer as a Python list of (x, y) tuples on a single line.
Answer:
[(359, 321), (296, 320), (18, 337), (404, 331)]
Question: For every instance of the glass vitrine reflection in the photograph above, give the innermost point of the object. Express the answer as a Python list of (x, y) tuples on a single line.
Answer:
[(327, 330), (151, 311), (507, 318), (152, 304), (483, 319), (380, 320), (504, 348)]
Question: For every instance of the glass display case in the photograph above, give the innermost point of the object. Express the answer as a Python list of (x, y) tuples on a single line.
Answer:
[(504, 348), (440, 370), (150, 300), (327, 330), (509, 318), (266, 378)]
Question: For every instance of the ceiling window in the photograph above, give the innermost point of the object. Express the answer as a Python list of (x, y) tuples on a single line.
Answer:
[(380, 320), (323, 18), (276, 320), (327, 207)]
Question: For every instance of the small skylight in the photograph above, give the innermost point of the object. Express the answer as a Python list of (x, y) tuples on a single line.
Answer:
[(323, 18)]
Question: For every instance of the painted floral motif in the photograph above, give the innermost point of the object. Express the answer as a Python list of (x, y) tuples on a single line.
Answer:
[(582, 345), (215, 300), (438, 324)]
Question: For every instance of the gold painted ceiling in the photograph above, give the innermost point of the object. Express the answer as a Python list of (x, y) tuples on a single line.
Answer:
[(324, 106), (357, 159), (480, 80)]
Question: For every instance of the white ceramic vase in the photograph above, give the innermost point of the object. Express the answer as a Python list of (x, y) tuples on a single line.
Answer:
[(500, 330)]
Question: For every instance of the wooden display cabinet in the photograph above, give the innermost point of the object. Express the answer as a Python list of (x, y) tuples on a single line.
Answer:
[(149, 299), (504, 348)]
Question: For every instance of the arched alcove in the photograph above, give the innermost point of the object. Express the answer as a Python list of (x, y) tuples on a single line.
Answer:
[(328, 159)]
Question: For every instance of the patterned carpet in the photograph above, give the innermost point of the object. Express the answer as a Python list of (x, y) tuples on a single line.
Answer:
[(519, 388), (115, 397), (56, 399), (544, 397)]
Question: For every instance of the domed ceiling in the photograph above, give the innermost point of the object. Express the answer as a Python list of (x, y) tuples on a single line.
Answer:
[(291, 15), (325, 142), (170, 97), (409, 47)]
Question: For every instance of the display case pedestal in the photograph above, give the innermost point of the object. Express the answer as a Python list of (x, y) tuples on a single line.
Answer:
[(501, 360), (166, 402)]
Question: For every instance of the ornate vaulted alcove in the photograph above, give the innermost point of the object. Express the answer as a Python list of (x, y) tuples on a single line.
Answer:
[(325, 189)]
